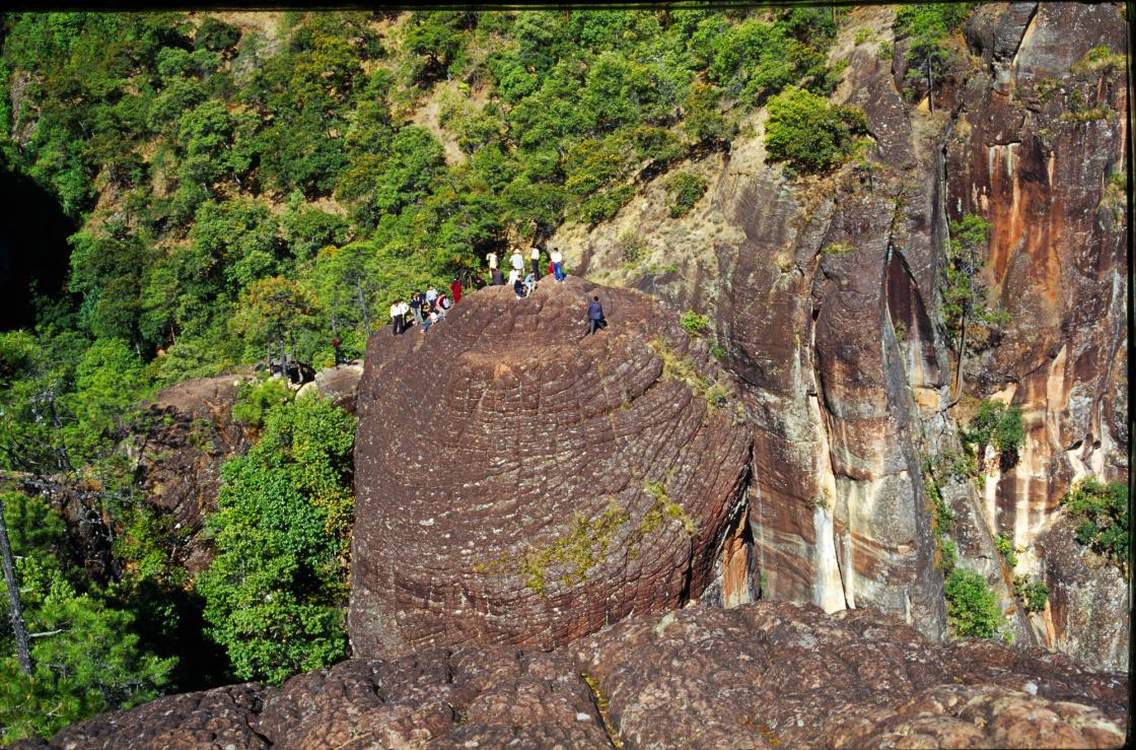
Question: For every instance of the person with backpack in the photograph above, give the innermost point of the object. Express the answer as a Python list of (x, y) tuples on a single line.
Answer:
[(595, 316), (441, 306), (557, 264)]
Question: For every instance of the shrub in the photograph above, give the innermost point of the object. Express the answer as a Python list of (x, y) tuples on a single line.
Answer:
[(808, 132), (1005, 547), (255, 399), (693, 323), (999, 426), (275, 592), (1032, 595), (685, 189), (1101, 514), (972, 609)]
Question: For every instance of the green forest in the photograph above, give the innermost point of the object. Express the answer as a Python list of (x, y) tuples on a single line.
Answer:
[(234, 185)]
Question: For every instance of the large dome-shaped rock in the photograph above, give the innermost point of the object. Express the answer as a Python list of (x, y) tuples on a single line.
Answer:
[(520, 482)]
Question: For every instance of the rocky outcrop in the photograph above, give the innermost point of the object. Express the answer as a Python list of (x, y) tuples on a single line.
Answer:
[(824, 292), (1088, 615), (520, 482), (339, 384), (764, 675), (192, 433)]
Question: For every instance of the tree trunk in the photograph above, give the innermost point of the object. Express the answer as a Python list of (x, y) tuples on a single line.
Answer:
[(961, 358), (930, 88), (14, 614), (363, 309)]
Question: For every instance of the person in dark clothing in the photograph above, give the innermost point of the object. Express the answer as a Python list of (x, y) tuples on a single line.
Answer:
[(498, 278), (519, 288), (456, 290), (335, 344), (595, 316), (416, 307)]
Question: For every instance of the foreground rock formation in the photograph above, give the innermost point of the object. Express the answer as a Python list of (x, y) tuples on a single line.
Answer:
[(762, 675), (520, 482)]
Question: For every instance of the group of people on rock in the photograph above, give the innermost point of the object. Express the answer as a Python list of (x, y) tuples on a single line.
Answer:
[(523, 286), (430, 307), (424, 308)]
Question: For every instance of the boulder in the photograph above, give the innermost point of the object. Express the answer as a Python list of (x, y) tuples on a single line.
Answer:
[(762, 675), (520, 482)]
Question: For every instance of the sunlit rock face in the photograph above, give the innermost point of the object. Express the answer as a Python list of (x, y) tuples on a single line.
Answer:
[(518, 481), (825, 294)]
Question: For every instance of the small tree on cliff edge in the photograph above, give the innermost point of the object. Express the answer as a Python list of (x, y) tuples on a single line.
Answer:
[(271, 311), (966, 311)]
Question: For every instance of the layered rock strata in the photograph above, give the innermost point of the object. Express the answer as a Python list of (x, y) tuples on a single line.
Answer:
[(518, 481)]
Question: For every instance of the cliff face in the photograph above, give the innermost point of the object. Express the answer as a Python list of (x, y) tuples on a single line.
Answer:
[(765, 675), (520, 482), (825, 292)]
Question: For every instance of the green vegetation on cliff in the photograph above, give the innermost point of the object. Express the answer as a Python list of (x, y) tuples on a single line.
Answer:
[(1100, 512), (276, 589)]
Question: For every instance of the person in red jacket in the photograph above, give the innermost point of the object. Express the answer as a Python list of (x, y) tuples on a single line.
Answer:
[(456, 290)]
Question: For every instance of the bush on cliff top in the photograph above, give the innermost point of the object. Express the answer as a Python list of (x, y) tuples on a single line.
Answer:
[(808, 132)]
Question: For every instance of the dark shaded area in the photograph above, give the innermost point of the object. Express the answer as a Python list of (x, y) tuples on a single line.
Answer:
[(170, 622), (33, 248)]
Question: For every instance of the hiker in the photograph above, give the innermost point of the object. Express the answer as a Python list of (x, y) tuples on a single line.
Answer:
[(441, 306), (548, 271), (595, 316), (516, 260), (335, 344), (530, 284), (398, 317), (492, 258), (534, 256), (431, 319), (498, 279), (416, 307), (519, 287), (557, 264), (456, 290), (514, 276), (431, 295)]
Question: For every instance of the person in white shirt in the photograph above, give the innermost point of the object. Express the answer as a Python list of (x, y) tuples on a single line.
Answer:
[(431, 295), (557, 261), (398, 317), (514, 274), (492, 257), (534, 258), (517, 261)]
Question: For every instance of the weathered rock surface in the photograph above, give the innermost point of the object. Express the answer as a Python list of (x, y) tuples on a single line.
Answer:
[(193, 433), (825, 293), (339, 384), (520, 482), (762, 675)]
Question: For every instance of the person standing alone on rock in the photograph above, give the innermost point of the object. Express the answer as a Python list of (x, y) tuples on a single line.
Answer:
[(557, 263), (595, 316), (456, 290)]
